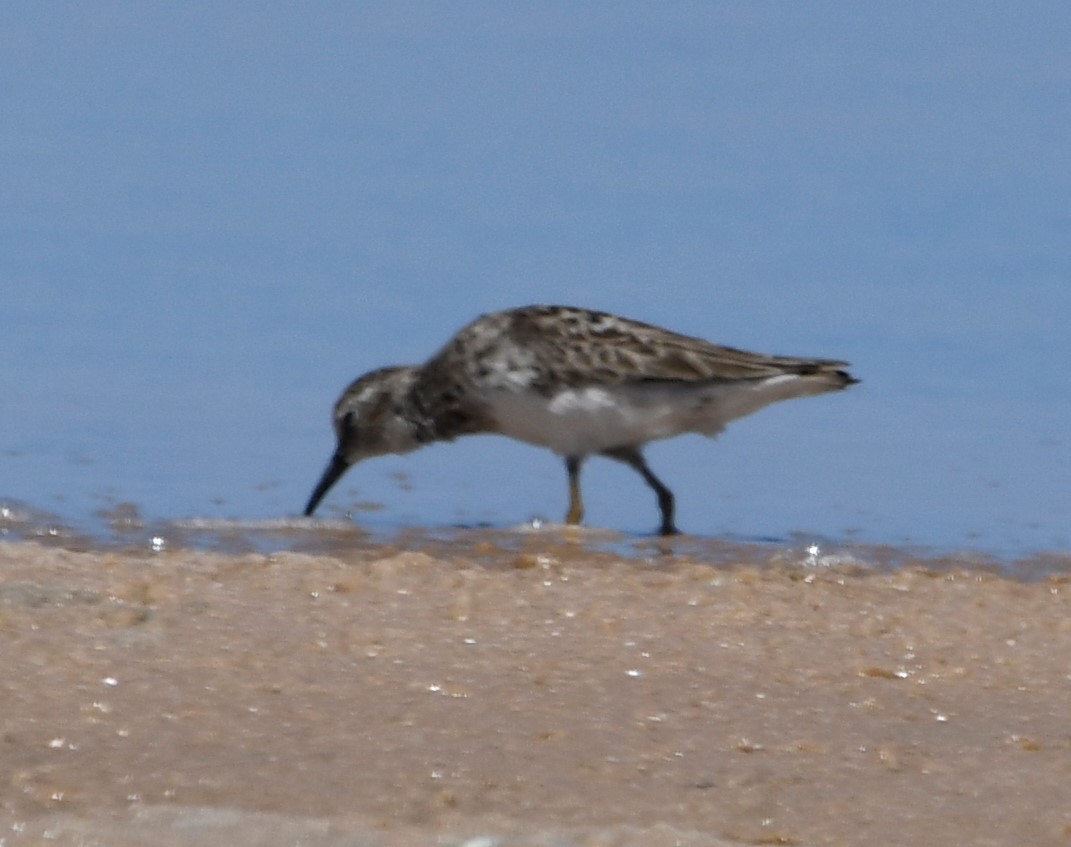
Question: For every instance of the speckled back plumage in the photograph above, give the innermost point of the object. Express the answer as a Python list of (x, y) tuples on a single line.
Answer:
[(547, 348)]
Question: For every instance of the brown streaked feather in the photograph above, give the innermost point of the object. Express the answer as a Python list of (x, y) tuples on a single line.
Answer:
[(588, 347)]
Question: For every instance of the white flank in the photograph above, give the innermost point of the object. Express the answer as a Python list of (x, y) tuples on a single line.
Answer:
[(582, 421)]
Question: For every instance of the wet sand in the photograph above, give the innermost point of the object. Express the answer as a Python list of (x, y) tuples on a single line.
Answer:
[(543, 695)]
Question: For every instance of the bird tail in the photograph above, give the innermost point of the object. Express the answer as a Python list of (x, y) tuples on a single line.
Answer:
[(826, 374)]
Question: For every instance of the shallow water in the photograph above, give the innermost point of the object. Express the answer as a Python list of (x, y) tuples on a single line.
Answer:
[(124, 529), (214, 219)]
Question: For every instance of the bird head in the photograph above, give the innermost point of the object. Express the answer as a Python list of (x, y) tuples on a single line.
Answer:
[(373, 417)]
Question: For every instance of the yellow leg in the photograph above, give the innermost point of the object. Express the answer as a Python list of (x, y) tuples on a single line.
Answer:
[(576, 502)]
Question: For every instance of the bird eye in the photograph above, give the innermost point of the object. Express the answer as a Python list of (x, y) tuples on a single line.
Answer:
[(346, 425)]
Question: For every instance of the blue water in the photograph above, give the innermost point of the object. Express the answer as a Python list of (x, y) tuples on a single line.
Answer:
[(213, 216)]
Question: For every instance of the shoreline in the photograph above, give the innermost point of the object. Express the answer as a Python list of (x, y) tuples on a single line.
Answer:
[(122, 529)]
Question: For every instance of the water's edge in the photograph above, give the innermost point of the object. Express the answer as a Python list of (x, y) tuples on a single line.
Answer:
[(123, 529)]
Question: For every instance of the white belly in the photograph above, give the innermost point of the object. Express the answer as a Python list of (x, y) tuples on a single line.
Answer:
[(582, 421)]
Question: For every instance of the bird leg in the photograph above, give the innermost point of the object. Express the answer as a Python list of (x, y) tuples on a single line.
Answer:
[(634, 459), (576, 503)]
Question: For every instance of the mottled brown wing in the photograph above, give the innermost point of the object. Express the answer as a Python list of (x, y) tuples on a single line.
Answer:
[(588, 347)]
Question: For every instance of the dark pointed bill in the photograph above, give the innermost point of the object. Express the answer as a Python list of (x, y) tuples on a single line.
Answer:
[(335, 468)]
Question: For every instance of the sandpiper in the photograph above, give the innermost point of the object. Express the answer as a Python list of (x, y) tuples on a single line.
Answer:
[(577, 381)]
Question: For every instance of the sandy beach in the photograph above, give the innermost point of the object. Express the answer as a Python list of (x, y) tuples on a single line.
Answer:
[(542, 695)]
